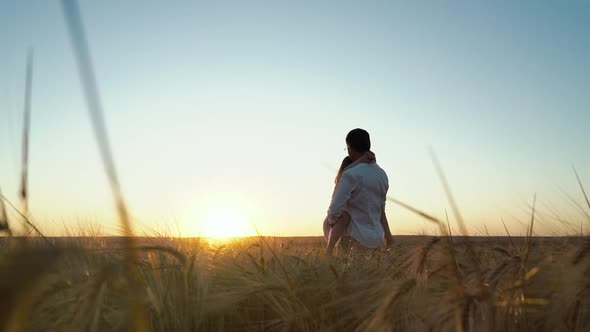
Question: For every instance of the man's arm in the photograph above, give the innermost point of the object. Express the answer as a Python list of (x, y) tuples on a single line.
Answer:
[(337, 217), (386, 230), (340, 197)]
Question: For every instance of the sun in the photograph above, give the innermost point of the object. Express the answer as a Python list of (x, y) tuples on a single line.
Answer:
[(222, 222), (219, 215)]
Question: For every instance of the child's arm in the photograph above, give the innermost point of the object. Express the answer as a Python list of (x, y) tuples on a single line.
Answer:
[(368, 157), (386, 230)]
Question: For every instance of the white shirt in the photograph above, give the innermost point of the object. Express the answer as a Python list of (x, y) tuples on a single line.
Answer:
[(361, 192)]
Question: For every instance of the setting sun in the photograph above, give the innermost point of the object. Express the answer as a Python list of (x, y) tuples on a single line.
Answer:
[(224, 222), (219, 215)]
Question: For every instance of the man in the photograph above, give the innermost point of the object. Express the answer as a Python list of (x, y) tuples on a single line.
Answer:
[(357, 208)]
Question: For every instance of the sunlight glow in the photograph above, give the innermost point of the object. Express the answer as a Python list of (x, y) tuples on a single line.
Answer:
[(225, 222), (220, 215)]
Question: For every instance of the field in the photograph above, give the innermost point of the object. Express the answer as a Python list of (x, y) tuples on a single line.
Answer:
[(420, 283), (287, 284)]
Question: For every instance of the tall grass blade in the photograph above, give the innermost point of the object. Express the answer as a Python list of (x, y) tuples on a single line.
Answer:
[(415, 210), (530, 232), (573, 201), (23, 192), (75, 26), (509, 236), (4, 225), (586, 247), (450, 234), (450, 196), (456, 211), (582, 188), (469, 246), (25, 218), (94, 105)]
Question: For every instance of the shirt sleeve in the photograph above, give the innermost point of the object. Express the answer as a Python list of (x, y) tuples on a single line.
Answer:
[(341, 195)]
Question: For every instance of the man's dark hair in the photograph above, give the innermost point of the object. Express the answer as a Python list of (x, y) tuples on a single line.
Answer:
[(359, 140)]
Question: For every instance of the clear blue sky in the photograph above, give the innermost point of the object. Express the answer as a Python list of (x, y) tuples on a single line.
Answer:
[(246, 104)]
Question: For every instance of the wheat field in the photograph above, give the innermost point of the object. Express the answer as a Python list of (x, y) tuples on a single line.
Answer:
[(287, 284), (159, 283)]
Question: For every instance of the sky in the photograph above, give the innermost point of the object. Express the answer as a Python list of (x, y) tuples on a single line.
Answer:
[(226, 113)]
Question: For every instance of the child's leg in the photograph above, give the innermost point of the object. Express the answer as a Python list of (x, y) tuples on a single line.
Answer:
[(338, 229), (327, 228)]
